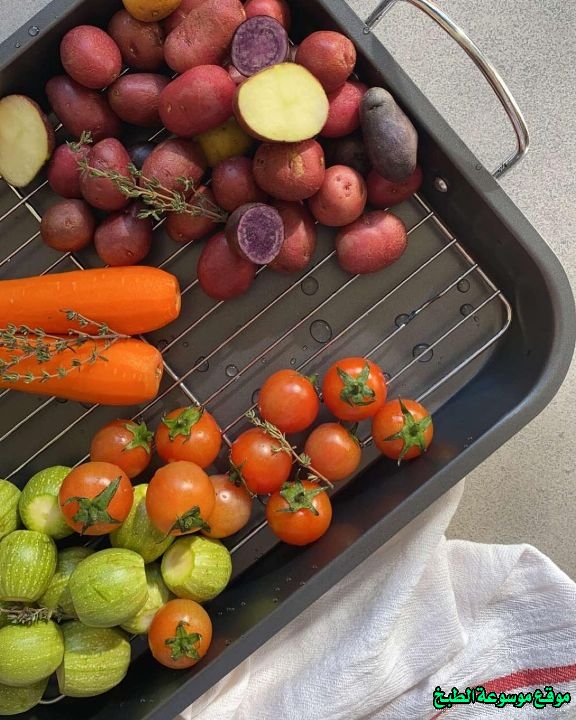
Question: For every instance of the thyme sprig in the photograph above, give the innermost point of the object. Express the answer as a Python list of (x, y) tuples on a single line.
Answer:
[(302, 459), (25, 615)]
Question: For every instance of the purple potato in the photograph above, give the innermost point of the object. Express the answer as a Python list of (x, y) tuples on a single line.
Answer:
[(256, 232), (258, 43)]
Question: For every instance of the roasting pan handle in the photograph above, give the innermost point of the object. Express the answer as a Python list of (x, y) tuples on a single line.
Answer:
[(481, 61)]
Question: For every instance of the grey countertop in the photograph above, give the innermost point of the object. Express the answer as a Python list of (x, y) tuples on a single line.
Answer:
[(531, 43)]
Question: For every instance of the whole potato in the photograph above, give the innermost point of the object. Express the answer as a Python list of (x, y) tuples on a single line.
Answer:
[(344, 109), (383, 193), (80, 109), (141, 44), (278, 9), (184, 227), (135, 98), (374, 241), (289, 171), (330, 56), (150, 10), (300, 236), (200, 99), (68, 225), (222, 273), (348, 150), (225, 141), (90, 56), (174, 159), (181, 12), (390, 138), (108, 155), (233, 183), (63, 171), (341, 198), (123, 238)]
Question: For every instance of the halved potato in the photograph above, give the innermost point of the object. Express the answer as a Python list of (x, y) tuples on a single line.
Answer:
[(26, 139), (283, 103)]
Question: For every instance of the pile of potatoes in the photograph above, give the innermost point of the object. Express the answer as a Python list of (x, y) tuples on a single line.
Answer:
[(266, 139)]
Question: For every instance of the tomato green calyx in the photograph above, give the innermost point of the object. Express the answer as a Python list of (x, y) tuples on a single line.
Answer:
[(92, 511), (411, 433), (183, 423), (142, 437), (183, 644), (356, 390), (298, 497), (189, 521), (314, 379)]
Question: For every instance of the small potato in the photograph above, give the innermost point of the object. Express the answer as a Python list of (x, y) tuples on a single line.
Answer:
[(344, 111), (204, 35), (141, 44), (233, 183), (90, 56), (68, 225), (176, 17), (289, 171), (135, 98), (341, 198), (222, 273), (278, 9), (123, 238), (330, 57), (390, 138), (384, 193), (225, 141), (63, 171), (300, 235), (374, 241), (150, 10), (200, 99), (174, 159), (183, 227), (258, 43), (80, 109), (256, 232), (100, 192), (348, 150)]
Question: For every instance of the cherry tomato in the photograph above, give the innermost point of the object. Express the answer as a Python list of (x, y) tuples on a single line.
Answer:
[(123, 443), (188, 433), (354, 389), (180, 498), (260, 460), (402, 429), (180, 633), (333, 450), (232, 508), (299, 513), (95, 498), (288, 400)]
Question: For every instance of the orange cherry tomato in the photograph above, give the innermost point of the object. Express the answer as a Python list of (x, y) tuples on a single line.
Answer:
[(402, 429), (180, 633), (354, 389), (299, 513)]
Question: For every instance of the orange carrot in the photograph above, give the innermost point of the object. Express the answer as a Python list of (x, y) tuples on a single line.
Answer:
[(125, 372), (129, 300)]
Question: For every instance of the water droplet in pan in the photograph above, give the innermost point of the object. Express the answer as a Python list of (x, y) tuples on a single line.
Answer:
[(201, 364), (17, 45), (320, 331), (33, 30), (464, 285), (255, 396), (402, 320), (292, 361), (422, 352), (231, 371), (161, 344), (309, 285), (466, 309)]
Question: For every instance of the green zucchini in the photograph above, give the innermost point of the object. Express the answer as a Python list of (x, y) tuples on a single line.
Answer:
[(9, 517), (158, 595), (27, 563), (95, 659), (137, 532), (38, 505), (15, 700), (29, 653), (57, 595), (196, 567), (108, 587)]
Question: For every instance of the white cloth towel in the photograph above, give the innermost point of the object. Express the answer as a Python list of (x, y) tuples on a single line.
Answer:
[(421, 613)]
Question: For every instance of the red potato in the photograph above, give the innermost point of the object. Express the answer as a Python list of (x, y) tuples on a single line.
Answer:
[(383, 193), (330, 57), (68, 225), (90, 56), (278, 9), (256, 232), (233, 183), (141, 44), (222, 273), (341, 198), (183, 227), (258, 43), (374, 241), (123, 238), (344, 109), (197, 101), (63, 171), (135, 98), (174, 159), (100, 192), (300, 235), (289, 171), (181, 12), (80, 109), (234, 73), (204, 35)]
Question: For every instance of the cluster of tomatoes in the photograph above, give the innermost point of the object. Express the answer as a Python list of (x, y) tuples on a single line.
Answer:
[(183, 498)]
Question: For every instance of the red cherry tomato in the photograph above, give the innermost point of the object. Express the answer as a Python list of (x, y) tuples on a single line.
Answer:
[(354, 389), (289, 401), (188, 433), (180, 633), (402, 429), (299, 513), (123, 443), (333, 450), (232, 508), (260, 460)]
